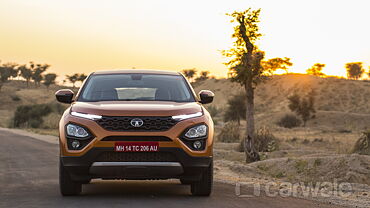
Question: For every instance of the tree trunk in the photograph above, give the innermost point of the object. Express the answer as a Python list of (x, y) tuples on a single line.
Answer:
[(249, 144), (251, 153)]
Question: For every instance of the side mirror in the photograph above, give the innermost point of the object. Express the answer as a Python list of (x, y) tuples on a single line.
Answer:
[(64, 96), (206, 96)]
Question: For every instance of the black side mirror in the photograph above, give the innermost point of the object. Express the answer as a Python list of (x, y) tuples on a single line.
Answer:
[(64, 96), (206, 96)]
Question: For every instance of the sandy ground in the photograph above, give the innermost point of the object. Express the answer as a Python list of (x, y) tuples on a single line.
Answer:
[(303, 167)]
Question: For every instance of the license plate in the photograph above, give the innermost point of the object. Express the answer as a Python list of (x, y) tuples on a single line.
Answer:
[(136, 147)]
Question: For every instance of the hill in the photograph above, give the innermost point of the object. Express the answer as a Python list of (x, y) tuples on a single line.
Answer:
[(340, 103)]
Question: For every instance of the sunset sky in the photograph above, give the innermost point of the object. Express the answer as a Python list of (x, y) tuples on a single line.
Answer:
[(86, 35)]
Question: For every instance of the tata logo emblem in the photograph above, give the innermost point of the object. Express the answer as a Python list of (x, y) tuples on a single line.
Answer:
[(136, 122)]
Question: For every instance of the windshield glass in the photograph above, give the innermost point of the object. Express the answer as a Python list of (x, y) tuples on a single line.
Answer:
[(138, 87)]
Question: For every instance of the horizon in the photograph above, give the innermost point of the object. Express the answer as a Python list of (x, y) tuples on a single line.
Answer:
[(88, 36)]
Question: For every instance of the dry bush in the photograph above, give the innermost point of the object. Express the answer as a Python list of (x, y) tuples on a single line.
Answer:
[(30, 115), (289, 121), (362, 145), (265, 141), (213, 110), (229, 133), (45, 115), (51, 121)]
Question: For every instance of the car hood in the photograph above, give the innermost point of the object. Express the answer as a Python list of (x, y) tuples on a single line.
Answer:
[(136, 108)]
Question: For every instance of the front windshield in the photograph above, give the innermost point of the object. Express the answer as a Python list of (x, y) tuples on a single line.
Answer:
[(136, 87)]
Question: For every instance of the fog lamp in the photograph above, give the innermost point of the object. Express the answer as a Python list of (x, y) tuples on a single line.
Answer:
[(197, 145), (75, 144)]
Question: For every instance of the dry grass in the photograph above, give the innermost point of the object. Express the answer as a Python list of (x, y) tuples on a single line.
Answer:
[(53, 132), (27, 95)]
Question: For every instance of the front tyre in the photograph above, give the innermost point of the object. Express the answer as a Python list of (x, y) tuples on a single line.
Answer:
[(67, 186), (203, 187)]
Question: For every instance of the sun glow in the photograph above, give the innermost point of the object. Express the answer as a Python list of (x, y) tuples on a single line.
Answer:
[(86, 35)]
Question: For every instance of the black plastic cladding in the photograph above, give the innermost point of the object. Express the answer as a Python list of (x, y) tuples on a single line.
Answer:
[(137, 157)]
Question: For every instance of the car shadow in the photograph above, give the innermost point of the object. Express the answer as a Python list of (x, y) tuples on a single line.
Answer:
[(137, 188)]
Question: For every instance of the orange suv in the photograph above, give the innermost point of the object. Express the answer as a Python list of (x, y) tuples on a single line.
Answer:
[(136, 124)]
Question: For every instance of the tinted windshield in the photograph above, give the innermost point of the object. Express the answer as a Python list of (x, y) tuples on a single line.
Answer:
[(140, 87)]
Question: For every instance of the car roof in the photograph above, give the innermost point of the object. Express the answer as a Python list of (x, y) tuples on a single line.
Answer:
[(139, 71)]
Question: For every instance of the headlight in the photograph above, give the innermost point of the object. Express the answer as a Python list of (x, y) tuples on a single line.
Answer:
[(86, 115), (76, 131), (187, 116), (196, 132)]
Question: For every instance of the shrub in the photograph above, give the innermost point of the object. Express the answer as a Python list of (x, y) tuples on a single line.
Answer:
[(51, 121), (344, 131), (318, 140), (362, 145), (236, 109), (213, 110), (289, 121), (305, 141), (30, 115), (265, 141), (301, 166), (317, 162), (303, 105), (229, 133), (15, 98), (57, 107)]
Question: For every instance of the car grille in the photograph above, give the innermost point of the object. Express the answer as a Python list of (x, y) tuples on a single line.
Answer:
[(122, 123), (136, 157)]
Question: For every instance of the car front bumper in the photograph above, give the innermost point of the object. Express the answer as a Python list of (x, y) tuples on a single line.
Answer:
[(88, 166)]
